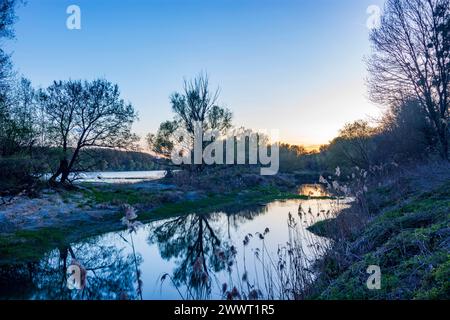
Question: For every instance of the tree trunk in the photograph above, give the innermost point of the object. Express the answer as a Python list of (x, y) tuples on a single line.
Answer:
[(65, 167), (63, 171), (169, 173), (65, 175), (443, 137)]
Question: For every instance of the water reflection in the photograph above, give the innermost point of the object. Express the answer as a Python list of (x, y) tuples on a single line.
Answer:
[(201, 247), (313, 190), (110, 275), (196, 256)]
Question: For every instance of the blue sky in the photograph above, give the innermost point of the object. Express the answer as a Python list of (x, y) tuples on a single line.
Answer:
[(292, 65)]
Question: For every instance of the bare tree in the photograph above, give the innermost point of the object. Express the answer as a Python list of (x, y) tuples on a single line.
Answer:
[(84, 115), (411, 59), (197, 104)]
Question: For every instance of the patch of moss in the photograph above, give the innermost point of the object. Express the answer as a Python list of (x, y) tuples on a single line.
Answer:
[(212, 201)]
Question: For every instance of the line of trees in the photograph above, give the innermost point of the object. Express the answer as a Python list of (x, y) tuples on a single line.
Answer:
[(68, 116), (402, 135), (409, 74), (411, 61)]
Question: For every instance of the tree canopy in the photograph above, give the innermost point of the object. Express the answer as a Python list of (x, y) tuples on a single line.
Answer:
[(196, 105), (82, 114)]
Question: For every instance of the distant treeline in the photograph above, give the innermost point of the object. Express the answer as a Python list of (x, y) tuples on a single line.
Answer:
[(404, 134), (19, 171), (94, 159), (117, 160)]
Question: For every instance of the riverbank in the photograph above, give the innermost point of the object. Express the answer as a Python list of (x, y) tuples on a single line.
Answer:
[(407, 236)]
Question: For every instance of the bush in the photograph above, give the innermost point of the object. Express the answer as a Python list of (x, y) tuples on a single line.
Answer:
[(18, 174)]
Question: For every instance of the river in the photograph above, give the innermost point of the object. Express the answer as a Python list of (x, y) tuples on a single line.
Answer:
[(248, 251)]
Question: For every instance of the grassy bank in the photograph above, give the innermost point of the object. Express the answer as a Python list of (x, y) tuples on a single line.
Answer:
[(409, 239)]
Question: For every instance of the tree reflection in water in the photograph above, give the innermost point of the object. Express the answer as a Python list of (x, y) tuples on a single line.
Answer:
[(110, 275), (199, 247)]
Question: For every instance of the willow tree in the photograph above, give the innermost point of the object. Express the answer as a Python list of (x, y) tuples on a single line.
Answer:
[(196, 106), (411, 60), (82, 114)]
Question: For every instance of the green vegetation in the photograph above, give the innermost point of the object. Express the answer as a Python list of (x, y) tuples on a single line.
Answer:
[(410, 244), (168, 203), (28, 245), (217, 202), (120, 196), (324, 228)]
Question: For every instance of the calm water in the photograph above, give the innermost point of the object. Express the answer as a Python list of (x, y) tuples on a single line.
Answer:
[(189, 257), (120, 177)]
